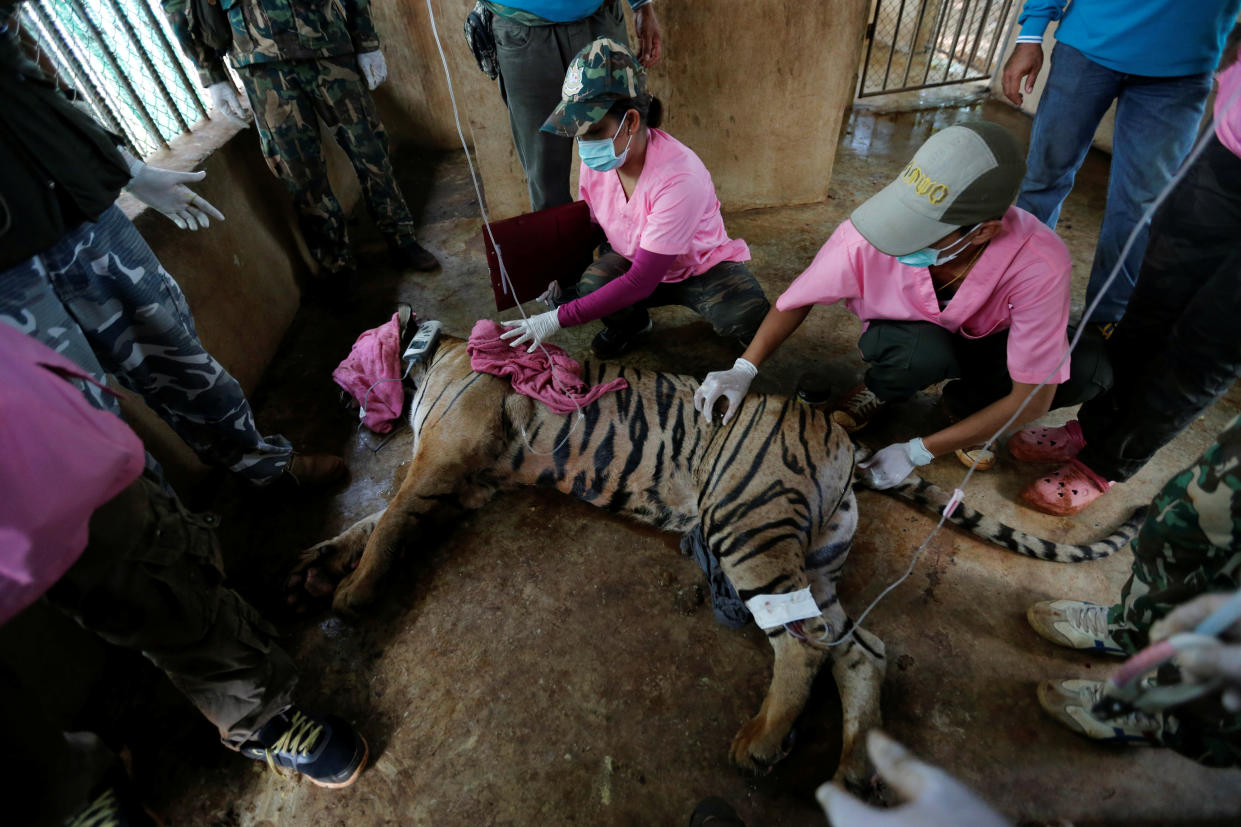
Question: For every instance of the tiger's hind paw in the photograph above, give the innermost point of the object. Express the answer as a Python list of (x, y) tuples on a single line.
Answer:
[(756, 749)]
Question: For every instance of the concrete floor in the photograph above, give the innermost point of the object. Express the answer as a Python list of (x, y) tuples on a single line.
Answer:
[(547, 663)]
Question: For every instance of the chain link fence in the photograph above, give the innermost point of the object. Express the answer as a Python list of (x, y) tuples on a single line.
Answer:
[(120, 57), (919, 44)]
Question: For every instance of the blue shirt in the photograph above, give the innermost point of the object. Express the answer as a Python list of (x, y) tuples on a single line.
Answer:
[(562, 11), (1159, 38)]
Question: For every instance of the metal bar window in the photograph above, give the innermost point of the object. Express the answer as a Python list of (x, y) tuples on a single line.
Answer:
[(941, 42), (118, 55)]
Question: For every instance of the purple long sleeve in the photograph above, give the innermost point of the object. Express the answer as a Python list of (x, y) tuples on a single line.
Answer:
[(638, 282)]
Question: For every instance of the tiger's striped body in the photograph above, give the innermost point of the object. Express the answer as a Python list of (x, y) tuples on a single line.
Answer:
[(772, 491)]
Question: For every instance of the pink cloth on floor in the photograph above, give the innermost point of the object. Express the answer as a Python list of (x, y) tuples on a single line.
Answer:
[(531, 374), (62, 459), (375, 356)]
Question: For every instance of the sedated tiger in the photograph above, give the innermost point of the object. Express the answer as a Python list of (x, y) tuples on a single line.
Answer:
[(772, 492)]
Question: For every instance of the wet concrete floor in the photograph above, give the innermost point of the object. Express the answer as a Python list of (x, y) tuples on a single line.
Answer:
[(546, 663)]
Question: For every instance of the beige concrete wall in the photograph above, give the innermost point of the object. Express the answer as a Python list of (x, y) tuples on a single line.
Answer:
[(758, 88)]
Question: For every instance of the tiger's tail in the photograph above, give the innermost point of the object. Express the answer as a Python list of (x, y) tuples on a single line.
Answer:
[(933, 498)]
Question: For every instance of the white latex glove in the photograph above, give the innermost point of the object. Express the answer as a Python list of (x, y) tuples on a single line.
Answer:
[(891, 465), (1220, 660), (934, 798), (536, 330), (166, 191), (374, 68), (552, 295), (224, 98), (730, 384)]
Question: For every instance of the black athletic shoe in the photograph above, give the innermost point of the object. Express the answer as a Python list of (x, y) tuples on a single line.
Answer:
[(714, 812), (325, 749), (412, 257), (612, 342)]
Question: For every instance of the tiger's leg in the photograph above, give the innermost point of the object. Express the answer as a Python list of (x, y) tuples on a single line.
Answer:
[(858, 665), (325, 564), (778, 569), (443, 476)]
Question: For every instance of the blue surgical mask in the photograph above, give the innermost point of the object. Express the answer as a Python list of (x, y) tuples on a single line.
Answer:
[(600, 155), (930, 257)]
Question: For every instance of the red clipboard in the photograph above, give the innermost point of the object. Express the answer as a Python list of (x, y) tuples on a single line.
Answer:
[(553, 244)]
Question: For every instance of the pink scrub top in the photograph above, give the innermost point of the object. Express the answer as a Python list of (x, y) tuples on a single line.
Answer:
[(673, 210), (62, 459), (1020, 283)]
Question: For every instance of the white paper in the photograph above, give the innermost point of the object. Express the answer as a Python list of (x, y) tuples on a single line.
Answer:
[(773, 610)]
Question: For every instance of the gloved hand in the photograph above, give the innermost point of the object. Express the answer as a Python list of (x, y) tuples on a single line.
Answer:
[(552, 295), (1219, 660), (891, 465), (730, 384), (224, 98), (374, 68), (166, 191), (536, 330), (934, 798)]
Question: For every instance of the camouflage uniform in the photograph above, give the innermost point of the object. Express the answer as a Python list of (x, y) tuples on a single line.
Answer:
[(1189, 545), (101, 298), (296, 59), (727, 295)]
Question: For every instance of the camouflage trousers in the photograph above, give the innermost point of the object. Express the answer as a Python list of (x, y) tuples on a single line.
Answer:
[(1189, 545), (289, 99), (150, 580), (728, 296), (101, 298)]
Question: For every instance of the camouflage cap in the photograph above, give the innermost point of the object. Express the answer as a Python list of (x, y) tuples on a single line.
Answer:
[(601, 74)]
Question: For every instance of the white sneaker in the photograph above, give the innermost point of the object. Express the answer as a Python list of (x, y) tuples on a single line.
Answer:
[(1076, 624), (857, 407), (1071, 703)]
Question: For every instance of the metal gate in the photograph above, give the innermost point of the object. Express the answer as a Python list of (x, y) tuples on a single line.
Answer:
[(919, 44)]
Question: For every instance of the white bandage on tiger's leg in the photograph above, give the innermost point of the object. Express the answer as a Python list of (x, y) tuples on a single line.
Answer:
[(772, 611)]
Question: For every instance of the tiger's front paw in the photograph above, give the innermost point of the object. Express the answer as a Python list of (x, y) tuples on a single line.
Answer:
[(318, 574), (353, 596), (757, 748)]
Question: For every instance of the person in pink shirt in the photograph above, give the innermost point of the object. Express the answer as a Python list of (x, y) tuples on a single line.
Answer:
[(655, 202), (949, 281), (83, 526), (1176, 350)]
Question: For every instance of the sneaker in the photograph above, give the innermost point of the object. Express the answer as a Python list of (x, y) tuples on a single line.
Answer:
[(715, 812), (1071, 702), (814, 390), (856, 409), (1075, 624), (324, 749), (412, 256), (115, 806), (310, 470), (1105, 329), (612, 342), (976, 457)]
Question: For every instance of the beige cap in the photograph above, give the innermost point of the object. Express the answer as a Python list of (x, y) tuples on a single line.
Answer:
[(961, 175)]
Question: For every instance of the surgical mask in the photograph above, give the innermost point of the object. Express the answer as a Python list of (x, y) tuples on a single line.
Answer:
[(930, 257), (600, 155)]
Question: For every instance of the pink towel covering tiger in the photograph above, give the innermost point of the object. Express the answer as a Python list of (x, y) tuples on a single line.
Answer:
[(558, 384), (371, 373)]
